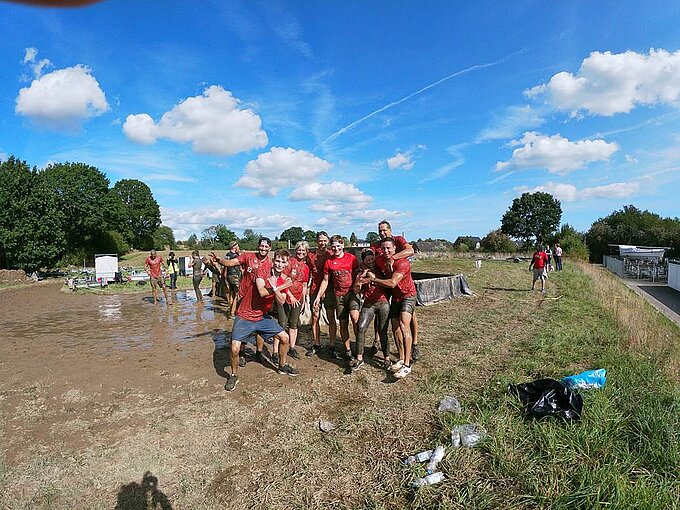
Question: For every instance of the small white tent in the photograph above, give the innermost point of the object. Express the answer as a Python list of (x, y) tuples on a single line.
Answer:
[(105, 267)]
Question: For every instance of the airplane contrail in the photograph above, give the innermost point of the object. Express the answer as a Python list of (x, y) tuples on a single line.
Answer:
[(406, 98)]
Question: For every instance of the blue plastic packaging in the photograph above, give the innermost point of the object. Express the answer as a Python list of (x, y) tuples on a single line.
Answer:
[(588, 380)]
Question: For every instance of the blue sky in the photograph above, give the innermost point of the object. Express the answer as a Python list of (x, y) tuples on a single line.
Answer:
[(335, 115)]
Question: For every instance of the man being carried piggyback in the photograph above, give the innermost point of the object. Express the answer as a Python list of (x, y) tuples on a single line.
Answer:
[(398, 278), (252, 316)]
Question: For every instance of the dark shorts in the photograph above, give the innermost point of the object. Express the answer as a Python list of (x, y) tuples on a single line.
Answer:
[(407, 304), (245, 330), (344, 305), (329, 301), (289, 316), (234, 281), (156, 282), (354, 302)]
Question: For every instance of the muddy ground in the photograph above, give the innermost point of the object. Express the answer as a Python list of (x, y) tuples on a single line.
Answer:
[(110, 401)]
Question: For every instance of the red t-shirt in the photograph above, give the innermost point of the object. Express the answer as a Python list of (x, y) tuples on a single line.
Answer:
[(405, 288), (374, 293), (316, 260), (252, 306), (298, 270), (399, 244), (540, 259), (341, 271), (154, 266), (250, 263)]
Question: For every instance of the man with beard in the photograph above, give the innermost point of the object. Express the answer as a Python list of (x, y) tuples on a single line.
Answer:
[(250, 263)]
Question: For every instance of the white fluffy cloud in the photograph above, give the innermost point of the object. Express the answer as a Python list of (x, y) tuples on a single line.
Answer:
[(184, 223), (610, 83), (280, 168), (214, 123), (333, 191), (63, 98), (556, 153), (569, 192), (358, 219)]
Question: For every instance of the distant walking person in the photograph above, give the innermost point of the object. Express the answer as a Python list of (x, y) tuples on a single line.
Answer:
[(549, 253), (233, 276), (538, 263), (558, 256), (153, 265), (197, 268), (173, 270)]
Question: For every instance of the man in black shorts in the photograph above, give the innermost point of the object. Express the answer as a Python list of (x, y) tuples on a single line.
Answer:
[(233, 276)]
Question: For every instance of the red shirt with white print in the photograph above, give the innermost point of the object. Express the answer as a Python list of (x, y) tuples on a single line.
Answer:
[(250, 263), (406, 287), (341, 271), (298, 271), (252, 306)]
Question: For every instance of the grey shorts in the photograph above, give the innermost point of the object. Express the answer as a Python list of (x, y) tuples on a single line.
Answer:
[(156, 282), (408, 305), (539, 273), (234, 282), (346, 303)]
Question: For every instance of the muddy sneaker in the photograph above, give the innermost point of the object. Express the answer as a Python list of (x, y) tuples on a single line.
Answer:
[(241, 360), (387, 364), (356, 364), (293, 353), (275, 358), (403, 372), (397, 365), (374, 350), (415, 353), (348, 356), (288, 370), (262, 358), (314, 349), (333, 353), (231, 383)]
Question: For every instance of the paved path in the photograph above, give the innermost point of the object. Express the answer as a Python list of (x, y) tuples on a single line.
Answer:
[(661, 296)]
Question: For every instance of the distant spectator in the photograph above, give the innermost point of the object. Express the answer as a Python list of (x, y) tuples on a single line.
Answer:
[(548, 252), (173, 270), (197, 267), (539, 262), (558, 256)]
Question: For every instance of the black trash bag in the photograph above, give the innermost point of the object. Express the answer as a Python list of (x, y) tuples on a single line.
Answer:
[(548, 397)]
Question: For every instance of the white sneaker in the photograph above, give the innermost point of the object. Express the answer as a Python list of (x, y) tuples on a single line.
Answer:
[(397, 365), (405, 370)]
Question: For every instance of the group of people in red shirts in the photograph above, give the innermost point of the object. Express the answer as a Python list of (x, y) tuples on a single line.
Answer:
[(377, 289)]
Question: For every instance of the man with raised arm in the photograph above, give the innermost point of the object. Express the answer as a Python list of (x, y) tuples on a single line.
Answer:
[(250, 263), (403, 250), (253, 319), (340, 269), (398, 278), (154, 265)]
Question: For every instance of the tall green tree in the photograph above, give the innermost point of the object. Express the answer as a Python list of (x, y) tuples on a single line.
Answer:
[(497, 241), (249, 239), (31, 219), (164, 237), (310, 236), (532, 216), (572, 242), (372, 237), (224, 236), (141, 211), (292, 234), (82, 194)]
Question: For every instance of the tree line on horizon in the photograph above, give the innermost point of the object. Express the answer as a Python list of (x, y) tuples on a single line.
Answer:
[(67, 212)]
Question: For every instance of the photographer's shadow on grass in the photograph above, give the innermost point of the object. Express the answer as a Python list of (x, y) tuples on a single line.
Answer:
[(142, 496)]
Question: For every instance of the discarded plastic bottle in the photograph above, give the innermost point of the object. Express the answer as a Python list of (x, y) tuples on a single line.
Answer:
[(449, 405), (429, 479), (467, 435), (418, 457), (437, 456)]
